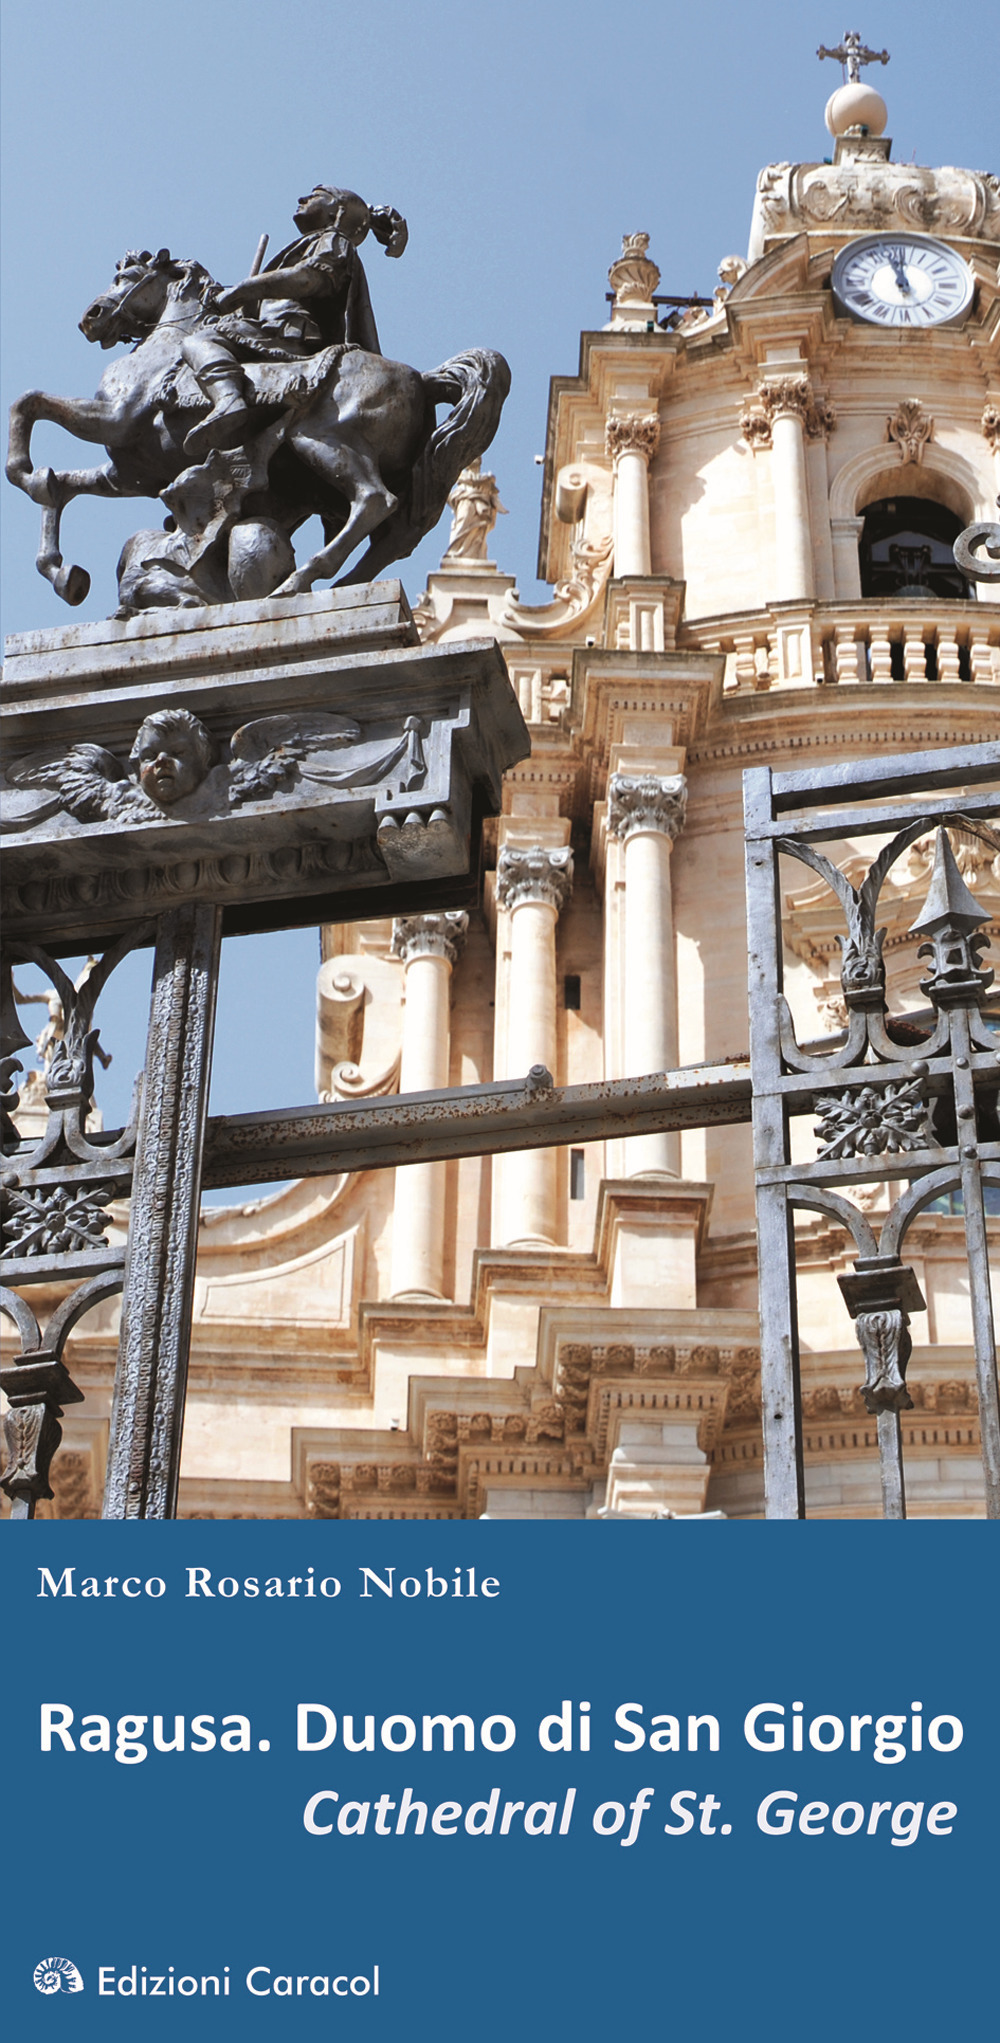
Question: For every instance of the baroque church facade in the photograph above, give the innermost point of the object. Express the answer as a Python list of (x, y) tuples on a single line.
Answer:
[(748, 514)]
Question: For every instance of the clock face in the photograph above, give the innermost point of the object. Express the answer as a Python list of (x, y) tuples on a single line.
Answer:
[(902, 280)]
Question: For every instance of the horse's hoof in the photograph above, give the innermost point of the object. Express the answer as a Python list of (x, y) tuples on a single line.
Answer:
[(72, 584), (294, 586)]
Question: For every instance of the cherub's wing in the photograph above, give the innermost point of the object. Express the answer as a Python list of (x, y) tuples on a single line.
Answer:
[(294, 735), (79, 781), (82, 763)]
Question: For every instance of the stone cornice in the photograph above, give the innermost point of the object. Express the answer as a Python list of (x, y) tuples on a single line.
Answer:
[(429, 936), (534, 874)]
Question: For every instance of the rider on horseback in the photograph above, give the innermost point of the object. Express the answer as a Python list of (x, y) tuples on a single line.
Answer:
[(314, 295)]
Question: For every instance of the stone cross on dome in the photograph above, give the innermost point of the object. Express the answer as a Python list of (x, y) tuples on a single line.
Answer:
[(852, 53)]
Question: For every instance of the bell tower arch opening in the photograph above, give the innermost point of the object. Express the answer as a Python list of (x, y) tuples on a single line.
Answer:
[(905, 549)]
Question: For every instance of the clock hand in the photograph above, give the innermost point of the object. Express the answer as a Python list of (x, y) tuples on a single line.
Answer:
[(899, 271)]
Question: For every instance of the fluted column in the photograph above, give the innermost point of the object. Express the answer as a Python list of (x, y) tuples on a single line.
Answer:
[(532, 885), (645, 813), (789, 399), (429, 946), (631, 443)]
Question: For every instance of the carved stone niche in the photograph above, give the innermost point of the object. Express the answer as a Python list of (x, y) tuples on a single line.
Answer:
[(287, 772)]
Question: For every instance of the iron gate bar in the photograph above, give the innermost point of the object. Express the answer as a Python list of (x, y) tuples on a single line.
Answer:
[(862, 1169), (474, 1120), (862, 822), (956, 767), (147, 1416)]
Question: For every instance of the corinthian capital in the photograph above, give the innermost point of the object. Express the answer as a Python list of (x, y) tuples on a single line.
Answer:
[(637, 433), (534, 874), (429, 936), (787, 397), (646, 801)]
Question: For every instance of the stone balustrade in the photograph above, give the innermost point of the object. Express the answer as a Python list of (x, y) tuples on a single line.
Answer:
[(791, 645)]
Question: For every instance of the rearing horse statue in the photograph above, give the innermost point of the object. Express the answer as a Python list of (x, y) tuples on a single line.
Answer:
[(343, 432)]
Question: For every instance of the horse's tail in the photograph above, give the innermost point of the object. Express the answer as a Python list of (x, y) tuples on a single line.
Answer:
[(475, 384)]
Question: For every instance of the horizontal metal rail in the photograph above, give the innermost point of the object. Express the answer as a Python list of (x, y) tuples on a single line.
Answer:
[(472, 1120), (877, 779), (864, 822)]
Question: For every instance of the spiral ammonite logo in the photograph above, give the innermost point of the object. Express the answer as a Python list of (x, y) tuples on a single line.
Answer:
[(57, 1975)]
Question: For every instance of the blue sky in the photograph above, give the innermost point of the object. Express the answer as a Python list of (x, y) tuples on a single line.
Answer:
[(520, 141)]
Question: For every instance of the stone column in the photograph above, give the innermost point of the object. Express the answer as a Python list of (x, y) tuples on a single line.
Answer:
[(532, 885), (789, 400), (631, 443), (645, 813), (845, 534), (429, 946)]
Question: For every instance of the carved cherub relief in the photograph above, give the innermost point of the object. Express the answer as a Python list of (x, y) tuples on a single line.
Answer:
[(173, 769)]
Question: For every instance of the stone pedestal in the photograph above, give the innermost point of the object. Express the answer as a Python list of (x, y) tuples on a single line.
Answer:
[(183, 776), (658, 1467), (330, 761), (464, 600), (649, 1232)]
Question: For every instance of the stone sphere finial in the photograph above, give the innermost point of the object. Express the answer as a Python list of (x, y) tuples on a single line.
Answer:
[(856, 105)]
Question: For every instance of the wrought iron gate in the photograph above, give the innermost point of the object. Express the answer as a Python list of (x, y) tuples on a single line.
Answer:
[(920, 1111)]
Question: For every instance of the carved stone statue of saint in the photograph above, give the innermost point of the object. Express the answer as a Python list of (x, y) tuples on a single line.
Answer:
[(475, 503)]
